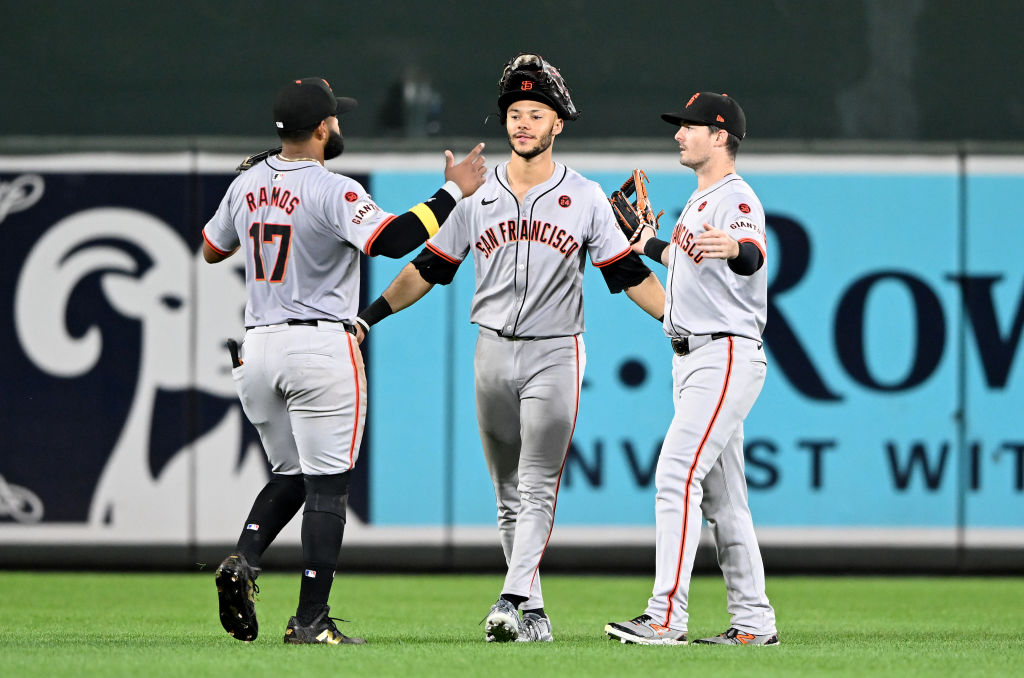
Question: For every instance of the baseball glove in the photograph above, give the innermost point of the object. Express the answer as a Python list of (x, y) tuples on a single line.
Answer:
[(633, 216), (255, 158)]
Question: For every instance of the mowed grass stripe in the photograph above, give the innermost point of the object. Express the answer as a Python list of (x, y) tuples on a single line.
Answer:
[(140, 624)]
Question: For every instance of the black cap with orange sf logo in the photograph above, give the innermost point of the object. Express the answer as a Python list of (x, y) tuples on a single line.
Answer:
[(708, 108)]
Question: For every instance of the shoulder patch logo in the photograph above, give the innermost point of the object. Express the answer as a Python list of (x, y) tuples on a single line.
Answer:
[(745, 208), (700, 208), (361, 210), (351, 196), (564, 201)]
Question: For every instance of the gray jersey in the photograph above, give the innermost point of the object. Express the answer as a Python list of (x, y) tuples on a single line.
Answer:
[(528, 258), (703, 295), (301, 228)]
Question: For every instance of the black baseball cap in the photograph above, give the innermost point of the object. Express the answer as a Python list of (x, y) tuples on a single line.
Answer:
[(302, 104), (527, 85), (708, 108)]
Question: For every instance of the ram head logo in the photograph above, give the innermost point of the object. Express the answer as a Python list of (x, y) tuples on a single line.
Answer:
[(186, 311)]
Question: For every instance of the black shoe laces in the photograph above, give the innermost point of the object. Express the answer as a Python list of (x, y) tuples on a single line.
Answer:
[(642, 619), (334, 627)]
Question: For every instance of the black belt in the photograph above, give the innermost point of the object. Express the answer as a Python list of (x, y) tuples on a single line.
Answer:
[(349, 327), (519, 338), (681, 345)]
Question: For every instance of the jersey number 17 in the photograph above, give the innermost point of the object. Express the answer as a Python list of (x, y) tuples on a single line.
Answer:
[(261, 233)]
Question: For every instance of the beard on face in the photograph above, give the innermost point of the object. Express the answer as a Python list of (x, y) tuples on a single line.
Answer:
[(543, 144), (335, 145)]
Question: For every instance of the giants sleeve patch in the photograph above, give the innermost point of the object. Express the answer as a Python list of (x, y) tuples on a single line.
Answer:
[(363, 209), (744, 225)]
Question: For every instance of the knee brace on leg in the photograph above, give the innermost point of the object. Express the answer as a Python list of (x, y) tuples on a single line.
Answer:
[(327, 494)]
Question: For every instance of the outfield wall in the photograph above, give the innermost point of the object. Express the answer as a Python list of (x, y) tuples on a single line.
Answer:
[(888, 434)]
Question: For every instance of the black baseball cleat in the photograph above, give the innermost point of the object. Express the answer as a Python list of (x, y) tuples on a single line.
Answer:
[(736, 637), (322, 631), (236, 594)]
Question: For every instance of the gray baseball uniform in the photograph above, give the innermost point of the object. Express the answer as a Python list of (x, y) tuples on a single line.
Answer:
[(716, 377), (300, 376), (301, 228), (528, 261)]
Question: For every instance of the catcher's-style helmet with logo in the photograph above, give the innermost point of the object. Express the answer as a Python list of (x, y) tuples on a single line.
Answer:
[(529, 76)]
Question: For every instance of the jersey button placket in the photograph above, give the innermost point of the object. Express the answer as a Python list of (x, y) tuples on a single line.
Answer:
[(514, 307)]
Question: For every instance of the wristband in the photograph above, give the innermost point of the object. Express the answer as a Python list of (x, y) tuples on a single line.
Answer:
[(375, 312), (363, 324), (452, 189), (654, 248)]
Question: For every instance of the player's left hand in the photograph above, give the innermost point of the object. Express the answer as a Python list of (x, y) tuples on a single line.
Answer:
[(360, 334), (715, 244)]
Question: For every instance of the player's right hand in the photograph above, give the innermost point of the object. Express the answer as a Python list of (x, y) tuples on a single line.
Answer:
[(646, 233), (468, 174)]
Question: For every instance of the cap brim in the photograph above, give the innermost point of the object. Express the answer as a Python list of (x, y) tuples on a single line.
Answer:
[(677, 118), (509, 98), (346, 104)]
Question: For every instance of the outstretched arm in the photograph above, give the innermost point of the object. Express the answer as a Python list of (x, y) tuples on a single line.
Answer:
[(406, 289), (649, 295), (400, 234)]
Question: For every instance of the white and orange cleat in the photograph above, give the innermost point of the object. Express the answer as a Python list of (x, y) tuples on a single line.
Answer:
[(643, 630), (736, 637)]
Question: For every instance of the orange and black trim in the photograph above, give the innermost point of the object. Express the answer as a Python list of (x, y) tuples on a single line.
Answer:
[(441, 253), (368, 248), (214, 247), (400, 234), (612, 260), (623, 271), (756, 244), (356, 374)]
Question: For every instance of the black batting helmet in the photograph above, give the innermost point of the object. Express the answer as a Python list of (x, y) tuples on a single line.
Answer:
[(529, 76)]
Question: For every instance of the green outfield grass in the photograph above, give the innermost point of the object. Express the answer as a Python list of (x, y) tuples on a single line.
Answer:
[(147, 625)]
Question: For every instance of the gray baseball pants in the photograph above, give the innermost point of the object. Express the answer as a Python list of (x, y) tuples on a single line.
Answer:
[(527, 397)]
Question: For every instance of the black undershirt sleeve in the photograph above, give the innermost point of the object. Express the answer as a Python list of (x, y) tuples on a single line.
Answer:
[(748, 261), (625, 273), (654, 247), (407, 231), (434, 269)]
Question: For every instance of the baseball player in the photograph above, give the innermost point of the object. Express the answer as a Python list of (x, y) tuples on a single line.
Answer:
[(715, 309), (300, 375), (528, 233)]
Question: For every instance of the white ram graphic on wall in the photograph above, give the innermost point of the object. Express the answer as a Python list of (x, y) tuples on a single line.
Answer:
[(129, 502)]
